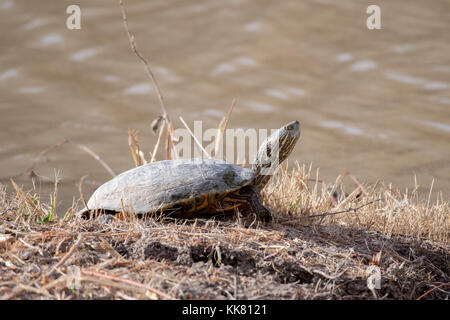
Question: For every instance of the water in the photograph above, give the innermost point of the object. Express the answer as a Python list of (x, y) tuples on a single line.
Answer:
[(373, 101)]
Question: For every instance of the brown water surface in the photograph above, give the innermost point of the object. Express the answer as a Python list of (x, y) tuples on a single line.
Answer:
[(376, 102)]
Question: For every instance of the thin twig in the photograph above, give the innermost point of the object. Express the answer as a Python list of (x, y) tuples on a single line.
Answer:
[(195, 139), (143, 60), (21, 194), (67, 256), (43, 153), (359, 184), (155, 149), (327, 276), (338, 182), (97, 157), (149, 72), (344, 211), (16, 291), (432, 289), (80, 190), (26, 244), (134, 148), (223, 126), (9, 209), (127, 281)]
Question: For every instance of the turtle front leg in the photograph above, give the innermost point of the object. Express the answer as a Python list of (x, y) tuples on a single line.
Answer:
[(252, 197)]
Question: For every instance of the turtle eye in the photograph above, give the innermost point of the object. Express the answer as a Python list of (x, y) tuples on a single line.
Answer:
[(290, 127)]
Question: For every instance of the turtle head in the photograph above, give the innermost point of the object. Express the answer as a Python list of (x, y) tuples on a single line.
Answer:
[(273, 151)]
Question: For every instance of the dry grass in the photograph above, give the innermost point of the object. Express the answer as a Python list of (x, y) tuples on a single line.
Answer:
[(310, 251), (388, 210), (295, 257)]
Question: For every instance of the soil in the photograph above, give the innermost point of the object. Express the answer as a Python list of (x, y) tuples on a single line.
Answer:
[(211, 259)]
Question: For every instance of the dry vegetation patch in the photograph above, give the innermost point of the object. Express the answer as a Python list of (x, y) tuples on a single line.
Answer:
[(295, 257), (322, 244)]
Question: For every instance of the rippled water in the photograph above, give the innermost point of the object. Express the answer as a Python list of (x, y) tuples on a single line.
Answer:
[(373, 101)]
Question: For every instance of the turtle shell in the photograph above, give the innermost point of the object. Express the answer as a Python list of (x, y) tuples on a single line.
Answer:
[(166, 184)]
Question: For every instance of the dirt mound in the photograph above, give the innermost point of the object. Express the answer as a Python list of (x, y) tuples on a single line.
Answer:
[(207, 259)]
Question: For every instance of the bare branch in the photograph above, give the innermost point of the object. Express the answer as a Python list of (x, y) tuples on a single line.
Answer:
[(149, 72)]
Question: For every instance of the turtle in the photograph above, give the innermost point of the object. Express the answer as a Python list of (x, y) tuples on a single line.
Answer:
[(190, 188)]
